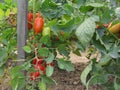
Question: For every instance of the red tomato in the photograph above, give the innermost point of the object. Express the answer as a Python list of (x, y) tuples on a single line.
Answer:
[(38, 25), (40, 67), (29, 19), (37, 73), (39, 61), (34, 75)]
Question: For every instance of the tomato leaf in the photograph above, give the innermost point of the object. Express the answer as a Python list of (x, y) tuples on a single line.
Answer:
[(49, 70), (63, 49), (85, 73), (65, 64), (3, 56), (50, 58), (1, 13), (96, 5), (27, 49), (116, 85), (86, 30), (45, 40), (1, 71), (18, 83), (105, 59), (48, 80), (85, 9), (99, 44), (114, 52), (18, 78), (100, 78), (43, 52), (42, 86)]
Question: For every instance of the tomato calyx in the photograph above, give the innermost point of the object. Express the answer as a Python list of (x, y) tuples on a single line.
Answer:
[(38, 14)]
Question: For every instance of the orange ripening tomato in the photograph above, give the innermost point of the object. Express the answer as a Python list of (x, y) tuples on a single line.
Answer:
[(29, 19), (38, 25)]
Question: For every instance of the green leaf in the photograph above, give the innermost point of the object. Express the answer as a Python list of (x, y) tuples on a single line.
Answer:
[(50, 58), (85, 73), (8, 1), (16, 71), (99, 44), (68, 9), (43, 52), (45, 40), (65, 64), (18, 83), (77, 52), (26, 65), (96, 5), (7, 12), (1, 13), (3, 56), (105, 60), (27, 49), (86, 9), (49, 70), (116, 85), (63, 49), (86, 30), (42, 86), (114, 52), (17, 78), (97, 79), (66, 27), (2, 6), (1, 71), (48, 80)]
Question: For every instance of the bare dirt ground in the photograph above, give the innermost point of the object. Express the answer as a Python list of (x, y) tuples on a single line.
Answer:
[(71, 80)]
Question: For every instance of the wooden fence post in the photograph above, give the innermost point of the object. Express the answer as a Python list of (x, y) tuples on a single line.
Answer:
[(21, 27)]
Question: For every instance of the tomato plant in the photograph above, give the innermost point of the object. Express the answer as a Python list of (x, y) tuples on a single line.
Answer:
[(64, 26)]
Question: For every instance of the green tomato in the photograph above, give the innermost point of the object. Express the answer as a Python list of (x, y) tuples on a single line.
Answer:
[(46, 31)]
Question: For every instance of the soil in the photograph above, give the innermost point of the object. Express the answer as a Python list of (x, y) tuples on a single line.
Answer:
[(71, 80)]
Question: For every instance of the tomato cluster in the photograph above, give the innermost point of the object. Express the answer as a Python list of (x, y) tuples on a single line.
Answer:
[(38, 62), (38, 22), (40, 67)]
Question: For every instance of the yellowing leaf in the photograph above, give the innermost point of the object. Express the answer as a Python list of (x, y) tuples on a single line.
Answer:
[(7, 12), (1, 13)]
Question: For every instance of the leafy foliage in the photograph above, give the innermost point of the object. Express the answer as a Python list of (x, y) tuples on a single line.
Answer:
[(81, 21)]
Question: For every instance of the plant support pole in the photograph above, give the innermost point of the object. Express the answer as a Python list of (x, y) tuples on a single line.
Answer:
[(21, 27)]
